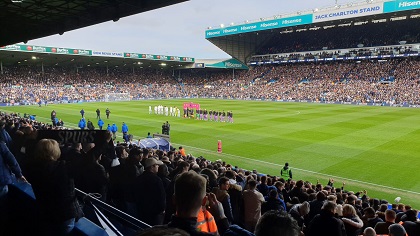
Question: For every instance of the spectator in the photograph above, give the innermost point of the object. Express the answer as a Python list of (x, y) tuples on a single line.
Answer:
[(262, 187), (370, 219), (273, 202), (93, 177), (8, 166), (150, 194), (274, 223), (190, 194), (252, 205), (223, 196), (412, 228), (316, 205), (53, 186), (325, 223), (235, 194), (299, 212), (351, 220), (369, 231), (382, 227), (397, 230)]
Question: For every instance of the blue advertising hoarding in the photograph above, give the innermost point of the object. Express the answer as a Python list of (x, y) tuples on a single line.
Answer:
[(258, 26)]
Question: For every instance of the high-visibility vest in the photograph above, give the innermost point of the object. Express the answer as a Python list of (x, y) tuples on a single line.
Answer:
[(285, 173), (206, 222)]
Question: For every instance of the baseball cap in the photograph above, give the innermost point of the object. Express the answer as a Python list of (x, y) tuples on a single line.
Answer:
[(166, 160), (152, 161)]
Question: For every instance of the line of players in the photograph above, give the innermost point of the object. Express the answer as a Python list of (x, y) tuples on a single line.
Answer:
[(164, 110), (217, 116)]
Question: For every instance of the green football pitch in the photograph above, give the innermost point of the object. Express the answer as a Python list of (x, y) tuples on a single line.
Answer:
[(369, 148)]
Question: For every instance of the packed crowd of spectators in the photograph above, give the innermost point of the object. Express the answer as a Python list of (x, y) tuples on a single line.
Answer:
[(388, 82), (390, 33), (384, 51), (174, 190)]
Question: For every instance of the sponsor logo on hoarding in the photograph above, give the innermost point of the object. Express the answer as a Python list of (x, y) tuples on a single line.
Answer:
[(233, 65), (248, 27), (408, 4), (84, 52), (39, 49), (11, 47), (233, 30), (62, 50), (212, 33)]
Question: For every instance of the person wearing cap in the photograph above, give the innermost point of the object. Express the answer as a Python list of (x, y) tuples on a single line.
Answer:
[(286, 172), (396, 230), (168, 163), (150, 193)]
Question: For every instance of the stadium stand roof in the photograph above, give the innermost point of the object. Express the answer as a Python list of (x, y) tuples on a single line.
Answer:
[(245, 39), (23, 20), (24, 54)]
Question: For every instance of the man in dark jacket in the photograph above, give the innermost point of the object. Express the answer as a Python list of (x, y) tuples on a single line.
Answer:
[(150, 194), (90, 125), (325, 223), (222, 196)]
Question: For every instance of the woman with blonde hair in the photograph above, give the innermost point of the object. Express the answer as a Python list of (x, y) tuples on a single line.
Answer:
[(351, 220), (53, 185)]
